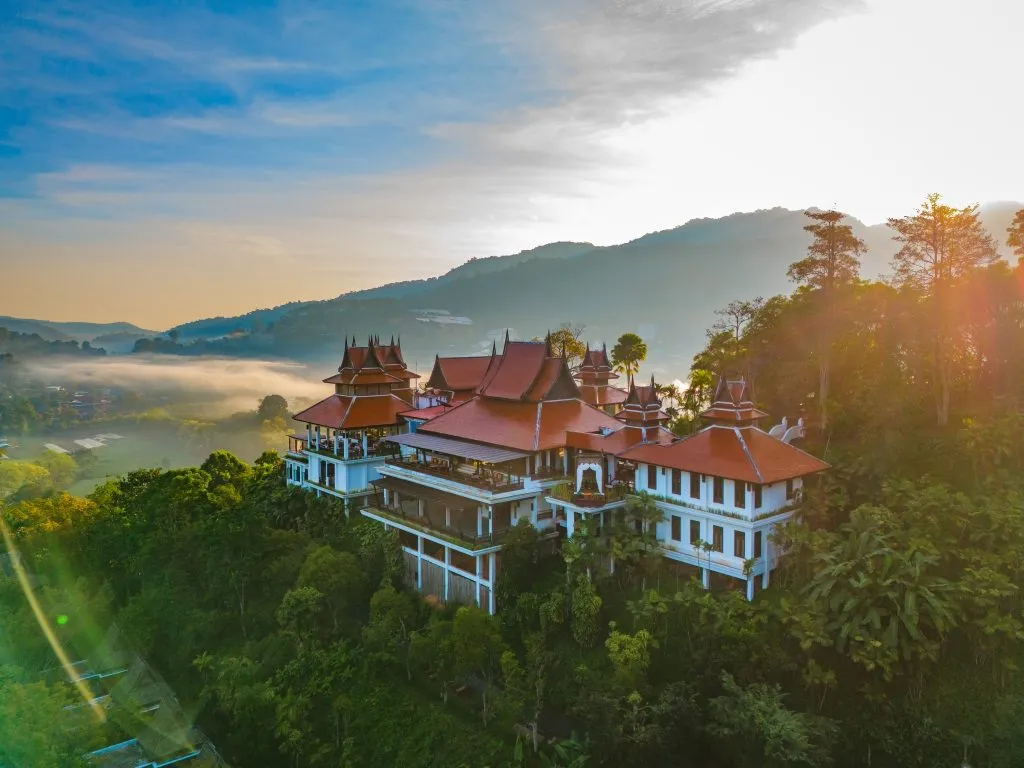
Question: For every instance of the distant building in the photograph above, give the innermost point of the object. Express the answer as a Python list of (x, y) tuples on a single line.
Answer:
[(510, 436)]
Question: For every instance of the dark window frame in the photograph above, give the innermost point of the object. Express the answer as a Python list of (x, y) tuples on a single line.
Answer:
[(695, 485), (758, 496), (652, 477), (740, 538), (790, 489), (694, 531), (758, 544), (718, 538), (739, 494), (677, 482), (677, 528), (718, 490)]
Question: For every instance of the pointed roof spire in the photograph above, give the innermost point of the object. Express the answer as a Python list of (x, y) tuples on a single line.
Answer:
[(494, 347), (392, 339), (547, 346), (506, 336)]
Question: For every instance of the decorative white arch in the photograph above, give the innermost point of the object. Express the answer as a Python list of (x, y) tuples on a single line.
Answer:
[(583, 467)]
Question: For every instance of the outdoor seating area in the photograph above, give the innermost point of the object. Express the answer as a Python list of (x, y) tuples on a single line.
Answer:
[(477, 474)]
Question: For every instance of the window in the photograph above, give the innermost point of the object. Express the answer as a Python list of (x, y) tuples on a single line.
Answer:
[(789, 489), (757, 497), (652, 476), (677, 528), (694, 531), (757, 544), (739, 544), (677, 482), (719, 490), (694, 485), (739, 495), (717, 539)]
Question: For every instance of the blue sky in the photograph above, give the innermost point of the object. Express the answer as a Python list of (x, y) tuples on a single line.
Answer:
[(252, 85), (304, 149)]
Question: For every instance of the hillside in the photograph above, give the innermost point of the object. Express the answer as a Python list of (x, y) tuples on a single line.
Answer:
[(72, 331), (665, 286)]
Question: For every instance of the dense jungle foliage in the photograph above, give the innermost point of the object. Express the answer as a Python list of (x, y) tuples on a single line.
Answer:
[(891, 635)]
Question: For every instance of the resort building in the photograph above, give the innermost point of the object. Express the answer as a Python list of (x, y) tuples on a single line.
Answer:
[(495, 439)]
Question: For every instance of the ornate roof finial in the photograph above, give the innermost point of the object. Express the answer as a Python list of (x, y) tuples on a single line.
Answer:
[(392, 339), (506, 335), (494, 347), (547, 345)]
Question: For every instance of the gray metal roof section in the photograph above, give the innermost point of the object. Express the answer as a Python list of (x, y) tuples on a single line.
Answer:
[(485, 453)]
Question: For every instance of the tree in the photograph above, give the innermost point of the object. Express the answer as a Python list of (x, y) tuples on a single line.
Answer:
[(61, 466), (1015, 235), (831, 263), (526, 683), (627, 354), (272, 407), (338, 576), (759, 729), (566, 342), (940, 244), (477, 648)]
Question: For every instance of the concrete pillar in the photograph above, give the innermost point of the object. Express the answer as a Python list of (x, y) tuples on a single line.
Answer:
[(479, 521), (492, 580), (565, 461), (364, 444), (750, 588), (490, 520), (534, 507), (476, 588), (705, 577), (421, 507), (570, 521), (344, 447)]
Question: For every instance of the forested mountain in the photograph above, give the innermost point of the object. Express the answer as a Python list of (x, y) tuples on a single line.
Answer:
[(71, 331), (665, 286), (891, 634)]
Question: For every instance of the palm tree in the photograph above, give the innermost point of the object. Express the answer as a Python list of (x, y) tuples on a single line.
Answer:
[(627, 354)]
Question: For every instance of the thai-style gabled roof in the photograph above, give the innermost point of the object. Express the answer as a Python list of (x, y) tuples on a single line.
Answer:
[(736, 453), (602, 394), (458, 374), (526, 371), (642, 406), (733, 403), (360, 364)]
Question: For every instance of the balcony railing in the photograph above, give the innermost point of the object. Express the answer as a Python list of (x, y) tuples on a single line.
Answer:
[(355, 451), (487, 480), (612, 493), (456, 534)]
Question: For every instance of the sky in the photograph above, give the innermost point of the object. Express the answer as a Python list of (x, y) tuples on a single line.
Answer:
[(162, 162)]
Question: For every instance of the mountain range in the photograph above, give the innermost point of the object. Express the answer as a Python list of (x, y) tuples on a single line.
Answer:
[(665, 286)]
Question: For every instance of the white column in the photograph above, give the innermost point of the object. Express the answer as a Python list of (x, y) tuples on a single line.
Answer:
[(570, 521), (364, 444), (490, 590), (705, 577), (447, 563), (479, 521), (534, 509), (750, 588), (419, 562), (344, 447), (490, 520), (476, 587)]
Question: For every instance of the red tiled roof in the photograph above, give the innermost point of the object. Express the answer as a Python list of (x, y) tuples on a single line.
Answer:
[(519, 425), (426, 414), (627, 414), (733, 414), (371, 376), (514, 371), (736, 453), (618, 441), (602, 395), (595, 359), (453, 373), (345, 412)]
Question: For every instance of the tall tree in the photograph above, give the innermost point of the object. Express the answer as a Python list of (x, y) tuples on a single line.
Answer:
[(627, 354), (733, 320), (1015, 235), (940, 244), (831, 263), (566, 342)]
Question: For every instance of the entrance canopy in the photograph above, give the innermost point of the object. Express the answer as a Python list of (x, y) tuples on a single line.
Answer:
[(486, 454)]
